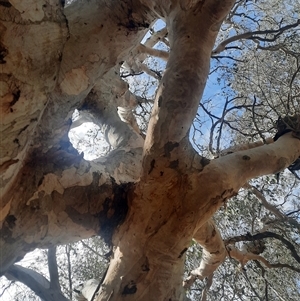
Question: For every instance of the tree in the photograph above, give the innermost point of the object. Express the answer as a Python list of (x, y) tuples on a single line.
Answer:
[(150, 195)]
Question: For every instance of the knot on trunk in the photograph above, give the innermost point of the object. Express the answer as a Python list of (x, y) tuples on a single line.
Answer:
[(130, 288)]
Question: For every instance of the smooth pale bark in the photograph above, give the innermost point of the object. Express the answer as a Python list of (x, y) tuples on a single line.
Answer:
[(88, 290), (160, 259), (135, 65), (61, 198), (213, 255), (151, 243), (245, 146), (104, 113), (183, 82), (215, 252)]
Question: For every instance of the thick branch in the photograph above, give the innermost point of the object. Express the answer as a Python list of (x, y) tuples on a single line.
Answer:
[(88, 290), (214, 252), (59, 197), (153, 52), (36, 282), (154, 74), (111, 94), (187, 69), (213, 255), (242, 166), (139, 54), (54, 84), (156, 37), (245, 146)]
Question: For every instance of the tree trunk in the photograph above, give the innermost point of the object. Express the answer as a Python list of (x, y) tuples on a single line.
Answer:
[(164, 193), (165, 213)]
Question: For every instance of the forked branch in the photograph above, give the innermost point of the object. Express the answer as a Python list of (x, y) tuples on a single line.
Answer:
[(255, 35)]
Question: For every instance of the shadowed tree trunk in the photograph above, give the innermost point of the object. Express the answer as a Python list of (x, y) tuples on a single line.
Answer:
[(148, 198)]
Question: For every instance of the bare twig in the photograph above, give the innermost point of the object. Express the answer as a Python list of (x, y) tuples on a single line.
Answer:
[(255, 35), (243, 257), (263, 235)]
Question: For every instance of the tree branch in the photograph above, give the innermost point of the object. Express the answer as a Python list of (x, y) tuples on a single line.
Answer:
[(243, 257), (178, 107), (153, 52), (263, 235), (92, 250), (281, 216), (213, 255), (206, 288), (245, 146), (53, 270), (251, 163), (76, 193), (36, 282), (153, 73), (254, 36)]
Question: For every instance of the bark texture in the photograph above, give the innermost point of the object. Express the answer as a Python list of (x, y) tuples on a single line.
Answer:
[(148, 198)]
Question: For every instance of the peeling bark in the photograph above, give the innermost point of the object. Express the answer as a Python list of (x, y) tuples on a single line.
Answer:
[(55, 84), (65, 200)]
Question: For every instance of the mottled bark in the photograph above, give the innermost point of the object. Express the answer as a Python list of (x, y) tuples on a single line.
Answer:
[(57, 70), (49, 194), (161, 189)]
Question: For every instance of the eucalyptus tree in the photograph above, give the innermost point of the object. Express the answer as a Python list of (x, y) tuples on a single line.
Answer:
[(153, 193)]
